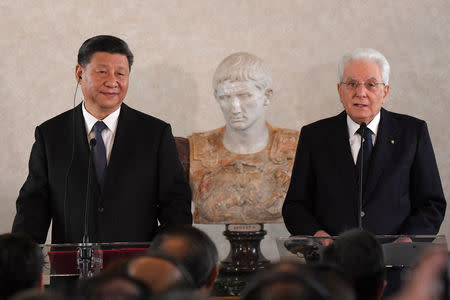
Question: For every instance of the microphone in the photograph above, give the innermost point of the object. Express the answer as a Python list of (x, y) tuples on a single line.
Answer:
[(309, 248), (85, 250), (92, 144), (361, 173)]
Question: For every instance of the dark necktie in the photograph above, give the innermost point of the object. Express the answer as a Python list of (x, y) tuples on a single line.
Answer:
[(99, 152), (367, 146)]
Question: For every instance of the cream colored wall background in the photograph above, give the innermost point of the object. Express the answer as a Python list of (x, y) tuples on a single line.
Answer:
[(178, 44)]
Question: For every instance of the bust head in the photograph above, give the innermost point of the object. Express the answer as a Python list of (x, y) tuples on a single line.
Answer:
[(243, 88)]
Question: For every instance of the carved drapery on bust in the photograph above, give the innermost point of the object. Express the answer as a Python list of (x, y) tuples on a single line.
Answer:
[(240, 188)]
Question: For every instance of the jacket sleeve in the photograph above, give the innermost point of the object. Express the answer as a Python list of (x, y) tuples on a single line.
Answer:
[(298, 205), (427, 197), (32, 205), (174, 193)]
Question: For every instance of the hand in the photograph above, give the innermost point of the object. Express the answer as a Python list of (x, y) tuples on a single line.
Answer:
[(323, 234), (403, 239)]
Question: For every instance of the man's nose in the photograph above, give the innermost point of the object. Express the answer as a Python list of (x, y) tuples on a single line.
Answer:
[(361, 90), (111, 81), (235, 105)]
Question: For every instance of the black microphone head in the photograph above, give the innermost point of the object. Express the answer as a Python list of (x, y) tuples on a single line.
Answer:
[(93, 142)]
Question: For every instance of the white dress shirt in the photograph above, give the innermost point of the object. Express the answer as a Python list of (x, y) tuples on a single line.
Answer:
[(355, 138), (108, 133)]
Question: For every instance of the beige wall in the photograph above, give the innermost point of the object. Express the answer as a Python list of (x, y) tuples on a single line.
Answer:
[(178, 44)]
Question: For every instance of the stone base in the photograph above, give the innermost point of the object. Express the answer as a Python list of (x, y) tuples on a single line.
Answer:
[(244, 258), (245, 252)]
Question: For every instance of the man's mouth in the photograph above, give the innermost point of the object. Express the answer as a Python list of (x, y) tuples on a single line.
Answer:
[(109, 94), (237, 119), (360, 105)]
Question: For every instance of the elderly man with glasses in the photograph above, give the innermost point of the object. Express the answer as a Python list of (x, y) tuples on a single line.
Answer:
[(401, 191)]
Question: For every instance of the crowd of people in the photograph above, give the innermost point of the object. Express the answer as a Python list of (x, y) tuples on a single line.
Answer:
[(182, 263)]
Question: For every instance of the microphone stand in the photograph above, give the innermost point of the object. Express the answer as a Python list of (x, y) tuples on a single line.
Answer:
[(361, 174), (85, 249)]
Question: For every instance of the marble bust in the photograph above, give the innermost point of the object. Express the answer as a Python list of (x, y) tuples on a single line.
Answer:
[(240, 173)]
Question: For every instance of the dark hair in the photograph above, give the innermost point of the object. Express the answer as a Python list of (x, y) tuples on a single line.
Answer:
[(99, 287), (35, 294), (180, 294), (360, 256), (185, 282), (334, 280), (330, 278), (284, 285), (103, 43), (21, 263), (198, 253)]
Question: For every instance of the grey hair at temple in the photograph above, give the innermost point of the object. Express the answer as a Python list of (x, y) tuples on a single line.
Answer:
[(243, 66), (367, 54)]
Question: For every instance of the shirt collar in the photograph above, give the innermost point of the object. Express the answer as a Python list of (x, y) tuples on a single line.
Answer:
[(353, 126), (110, 121)]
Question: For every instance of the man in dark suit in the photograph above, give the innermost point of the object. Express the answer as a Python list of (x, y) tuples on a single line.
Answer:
[(402, 192), (136, 178)]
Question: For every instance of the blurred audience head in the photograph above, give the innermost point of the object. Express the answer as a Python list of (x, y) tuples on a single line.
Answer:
[(35, 294), (360, 256), (160, 272), (113, 287), (282, 286), (334, 280), (193, 249), (289, 280), (21, 263), (317, 280), (181, 294)]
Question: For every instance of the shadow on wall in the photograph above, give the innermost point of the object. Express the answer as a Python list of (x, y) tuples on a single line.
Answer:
[(166, 92)]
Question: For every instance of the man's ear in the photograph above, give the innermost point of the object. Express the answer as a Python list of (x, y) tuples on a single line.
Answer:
[(386, 92), (269, 94), (78, 73)]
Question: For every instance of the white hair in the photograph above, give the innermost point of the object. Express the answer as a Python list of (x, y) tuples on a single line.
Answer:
[(367, 54), (243, 66)]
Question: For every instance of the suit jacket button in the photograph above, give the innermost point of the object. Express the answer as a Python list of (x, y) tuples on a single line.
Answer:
[(363, 214), (100, 209)]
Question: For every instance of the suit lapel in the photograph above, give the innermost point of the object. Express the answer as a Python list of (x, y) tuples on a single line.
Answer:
[(81, 155), (77, 182), (122, 140), (344, 177), (339, 143), (382, 152)]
